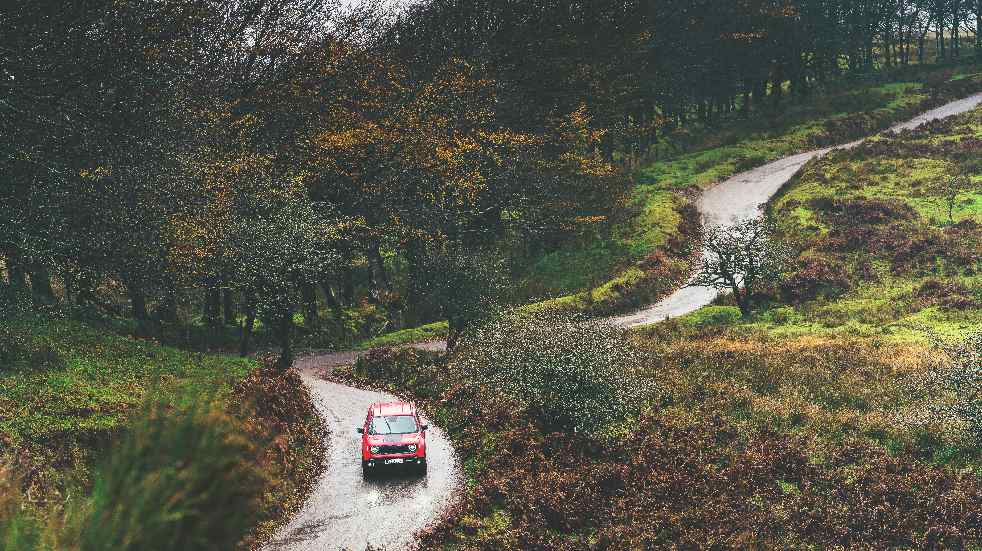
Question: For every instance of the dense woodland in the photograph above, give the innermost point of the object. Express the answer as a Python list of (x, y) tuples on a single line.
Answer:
[(267, 158)]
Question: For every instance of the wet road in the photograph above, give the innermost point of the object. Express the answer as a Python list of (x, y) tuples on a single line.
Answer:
[(345, 512)]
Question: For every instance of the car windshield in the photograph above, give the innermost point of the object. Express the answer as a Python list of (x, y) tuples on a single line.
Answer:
[(393, 424)]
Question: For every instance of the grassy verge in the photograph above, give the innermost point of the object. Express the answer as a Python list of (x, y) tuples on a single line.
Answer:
[(74, 399), (423, 333)]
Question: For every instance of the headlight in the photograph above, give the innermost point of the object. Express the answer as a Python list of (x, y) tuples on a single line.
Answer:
[(374, 449), (412, 448)]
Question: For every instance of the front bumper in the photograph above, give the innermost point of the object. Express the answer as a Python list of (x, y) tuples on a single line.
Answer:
[(393, 460)]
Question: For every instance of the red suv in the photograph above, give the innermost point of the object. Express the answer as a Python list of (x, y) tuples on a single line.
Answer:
[(392, 435)]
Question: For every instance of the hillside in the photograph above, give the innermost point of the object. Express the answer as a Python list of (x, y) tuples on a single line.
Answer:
[(80, 409), (880, 255)]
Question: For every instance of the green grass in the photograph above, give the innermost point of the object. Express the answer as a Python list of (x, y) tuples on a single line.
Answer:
[(423, 333), (714, 154), (95, 379)]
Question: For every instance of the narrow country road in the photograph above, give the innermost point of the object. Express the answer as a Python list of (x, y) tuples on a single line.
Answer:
[(345, 512)]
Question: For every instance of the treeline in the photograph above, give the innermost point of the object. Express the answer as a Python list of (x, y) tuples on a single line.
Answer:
[(262, 158), (646, 66), (242, 159)]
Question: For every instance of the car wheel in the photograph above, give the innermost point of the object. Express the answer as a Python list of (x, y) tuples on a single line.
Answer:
[(421, 468), (366, 471)]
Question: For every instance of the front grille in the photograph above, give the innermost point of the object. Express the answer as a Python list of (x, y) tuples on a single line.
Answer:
[(394, 449)]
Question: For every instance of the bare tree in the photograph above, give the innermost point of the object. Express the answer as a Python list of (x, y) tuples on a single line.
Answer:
[(742, 258)]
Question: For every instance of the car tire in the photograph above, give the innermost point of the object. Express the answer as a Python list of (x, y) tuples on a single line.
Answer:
[(366, 471), (421, 468)]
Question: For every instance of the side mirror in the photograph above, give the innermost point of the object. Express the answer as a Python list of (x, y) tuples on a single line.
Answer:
[(424, 427), (360, 430)]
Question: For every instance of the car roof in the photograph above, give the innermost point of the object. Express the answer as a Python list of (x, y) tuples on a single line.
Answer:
[(392, 408)]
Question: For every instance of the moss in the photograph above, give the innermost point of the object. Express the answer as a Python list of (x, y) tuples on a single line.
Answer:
[(423, 333)]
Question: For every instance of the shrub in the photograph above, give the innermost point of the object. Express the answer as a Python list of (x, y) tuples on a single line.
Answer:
[(19, 349), (949, 295), (275, 410), (184, 481), (961, 380), (397, 369), (711, 316), (570, 374), (815, 277), (20, 526), (178, 480), (862, 211)]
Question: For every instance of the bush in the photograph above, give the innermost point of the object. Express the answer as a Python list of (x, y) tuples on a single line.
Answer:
[(184, 481), (961, 380), (815, 277), (571, 375), (178, 480), (949, 295), (275, 410), (711, 316), (20, 350)]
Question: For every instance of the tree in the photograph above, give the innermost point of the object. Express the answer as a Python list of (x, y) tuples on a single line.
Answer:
[(949, 188), (742, 258)]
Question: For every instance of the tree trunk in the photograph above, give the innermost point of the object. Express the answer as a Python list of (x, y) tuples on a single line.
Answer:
[(742, 300), (213, 307), (138, 303), (380, 278), (247, 324), (284, 333), (348, 286), (978, 31), (167, 309), (331, 297), (228, 307), (311, 317), (16, 275), (41, 284)]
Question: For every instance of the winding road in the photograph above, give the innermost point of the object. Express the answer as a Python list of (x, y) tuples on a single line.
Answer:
[(345, 512)]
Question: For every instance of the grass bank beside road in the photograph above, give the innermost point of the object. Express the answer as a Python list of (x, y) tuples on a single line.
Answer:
[(90, 421)]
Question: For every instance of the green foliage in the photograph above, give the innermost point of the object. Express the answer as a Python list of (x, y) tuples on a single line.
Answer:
[(79, 381), (180, 480), (881, 256), (423, 333), (222, 437), (570, 374), (712, 315)]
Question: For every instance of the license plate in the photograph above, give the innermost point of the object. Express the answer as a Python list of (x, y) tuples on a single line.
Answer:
[(393, 461)]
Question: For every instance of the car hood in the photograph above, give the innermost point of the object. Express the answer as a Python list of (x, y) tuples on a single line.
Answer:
[(376, 440)]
